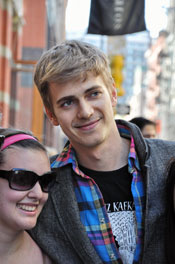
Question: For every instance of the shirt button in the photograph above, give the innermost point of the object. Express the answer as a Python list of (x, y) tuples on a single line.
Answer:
[(102, 220), (112, 256), (133, 170)]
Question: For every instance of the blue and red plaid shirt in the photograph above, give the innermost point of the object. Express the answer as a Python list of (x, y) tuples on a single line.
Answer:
[(92, 208)]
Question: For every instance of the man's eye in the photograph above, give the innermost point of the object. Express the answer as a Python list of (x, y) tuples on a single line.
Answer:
[(94, 94), (67, 103)]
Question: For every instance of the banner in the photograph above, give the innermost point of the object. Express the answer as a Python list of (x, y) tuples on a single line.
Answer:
[(116, 17)]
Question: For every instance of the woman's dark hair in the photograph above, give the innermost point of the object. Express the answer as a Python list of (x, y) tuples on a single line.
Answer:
[(170, 243), (26, 143), (141, 122)]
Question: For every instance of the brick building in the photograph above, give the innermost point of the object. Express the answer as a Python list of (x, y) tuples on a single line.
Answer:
[(27, 28)]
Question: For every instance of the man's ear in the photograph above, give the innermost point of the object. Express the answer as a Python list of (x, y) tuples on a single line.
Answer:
[(51, 117), (114, 95)]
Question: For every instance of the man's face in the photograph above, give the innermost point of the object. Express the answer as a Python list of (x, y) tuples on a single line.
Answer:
[(84, 110), (149, 131)]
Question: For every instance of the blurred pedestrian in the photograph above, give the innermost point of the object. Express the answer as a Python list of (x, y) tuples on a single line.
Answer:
[(147, 127), (108, 203), (25, 179)]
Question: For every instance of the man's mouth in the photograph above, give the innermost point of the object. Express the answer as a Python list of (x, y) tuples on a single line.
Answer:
[(88, 125)]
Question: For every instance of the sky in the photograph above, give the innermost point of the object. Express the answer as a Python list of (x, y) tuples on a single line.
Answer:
[(77, 15)]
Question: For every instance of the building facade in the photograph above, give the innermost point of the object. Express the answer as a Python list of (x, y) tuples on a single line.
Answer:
[(27, 29)]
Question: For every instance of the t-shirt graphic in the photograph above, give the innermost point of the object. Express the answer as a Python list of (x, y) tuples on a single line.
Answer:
[(124, 230)]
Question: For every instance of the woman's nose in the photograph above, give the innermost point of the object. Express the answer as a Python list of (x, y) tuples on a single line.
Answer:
[(36, 191)]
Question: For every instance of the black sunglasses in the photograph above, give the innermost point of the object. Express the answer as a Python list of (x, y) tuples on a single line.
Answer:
[(23, 180)]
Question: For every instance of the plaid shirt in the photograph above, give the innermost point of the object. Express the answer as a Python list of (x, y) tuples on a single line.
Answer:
[(92, 208)]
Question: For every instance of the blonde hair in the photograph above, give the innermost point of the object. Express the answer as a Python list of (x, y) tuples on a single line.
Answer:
[(70, 61)]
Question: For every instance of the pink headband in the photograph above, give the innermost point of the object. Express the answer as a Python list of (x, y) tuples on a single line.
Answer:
[(15, 138)]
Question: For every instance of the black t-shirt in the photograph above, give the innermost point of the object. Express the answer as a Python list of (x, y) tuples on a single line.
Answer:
[(114, 185)]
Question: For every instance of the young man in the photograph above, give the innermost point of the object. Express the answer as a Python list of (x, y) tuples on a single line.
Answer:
[(147, 127), (108, 204)]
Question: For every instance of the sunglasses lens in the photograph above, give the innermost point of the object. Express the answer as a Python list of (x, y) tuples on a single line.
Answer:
[(47, 181), (22, 180)]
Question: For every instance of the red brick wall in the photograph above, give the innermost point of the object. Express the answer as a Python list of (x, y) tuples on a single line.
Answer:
[(5, 67)]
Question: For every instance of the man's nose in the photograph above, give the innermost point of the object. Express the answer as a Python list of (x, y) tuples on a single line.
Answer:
[(85, 109)]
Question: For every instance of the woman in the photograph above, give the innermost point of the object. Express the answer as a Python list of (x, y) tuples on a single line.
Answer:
[(171, 214), (25, 179)]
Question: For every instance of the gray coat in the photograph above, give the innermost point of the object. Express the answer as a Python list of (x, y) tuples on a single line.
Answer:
[(60, 232)]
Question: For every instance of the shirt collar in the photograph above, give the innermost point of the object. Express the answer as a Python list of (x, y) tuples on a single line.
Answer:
[(68, 155)]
